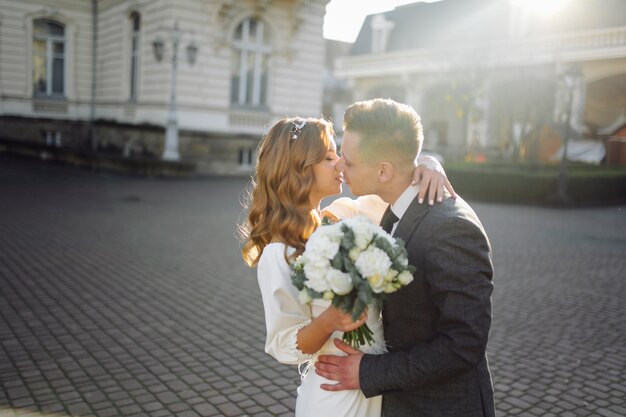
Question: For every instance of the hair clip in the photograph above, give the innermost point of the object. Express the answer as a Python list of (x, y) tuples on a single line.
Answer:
[(297, 127)]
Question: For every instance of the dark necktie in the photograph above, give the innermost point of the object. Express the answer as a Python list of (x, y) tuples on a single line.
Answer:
[(388, 220)]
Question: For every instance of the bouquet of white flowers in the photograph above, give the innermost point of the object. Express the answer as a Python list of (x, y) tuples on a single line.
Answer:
[(354, 263)]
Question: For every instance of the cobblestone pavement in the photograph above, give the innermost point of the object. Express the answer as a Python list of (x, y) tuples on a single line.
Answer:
[(127, 297)]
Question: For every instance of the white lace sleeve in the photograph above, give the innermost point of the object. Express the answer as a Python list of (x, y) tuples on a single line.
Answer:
[(284, 314), (371, 206)]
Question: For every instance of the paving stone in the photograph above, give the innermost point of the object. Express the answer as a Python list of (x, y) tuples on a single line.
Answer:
[(609, 413), (161, 413), (230, 409), (79, 409), (205, 409), (107, 412), (115, 293), (178, 407), (153, 406)]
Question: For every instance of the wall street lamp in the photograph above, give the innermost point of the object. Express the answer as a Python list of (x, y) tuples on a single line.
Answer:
[(158, 46)]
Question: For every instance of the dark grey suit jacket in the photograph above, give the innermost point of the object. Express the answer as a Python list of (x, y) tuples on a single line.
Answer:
[(437, 327)]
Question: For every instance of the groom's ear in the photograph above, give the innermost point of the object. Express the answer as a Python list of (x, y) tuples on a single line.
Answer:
[(385, 171)]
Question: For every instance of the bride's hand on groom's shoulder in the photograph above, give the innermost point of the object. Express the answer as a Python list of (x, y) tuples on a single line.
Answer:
[(431, 177), (343, 369)]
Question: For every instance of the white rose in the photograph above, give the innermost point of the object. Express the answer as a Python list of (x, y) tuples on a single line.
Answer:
[(340, 282), (316, 277), (377, 283), (329, 295), (321, 246), (329, 248), (333, 232), (373, 261), (304, 296), (405, 278), (390, 239), (363, 231)]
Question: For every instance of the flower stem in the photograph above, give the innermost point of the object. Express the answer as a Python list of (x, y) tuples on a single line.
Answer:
[(359, 337)]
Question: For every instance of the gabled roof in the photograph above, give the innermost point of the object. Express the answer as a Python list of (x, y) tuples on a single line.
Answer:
[(454, 22)]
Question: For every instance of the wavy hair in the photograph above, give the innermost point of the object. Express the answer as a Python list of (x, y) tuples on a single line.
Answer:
[(278, 203)]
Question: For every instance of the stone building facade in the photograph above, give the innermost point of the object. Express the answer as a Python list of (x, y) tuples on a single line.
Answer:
[(83, 74)]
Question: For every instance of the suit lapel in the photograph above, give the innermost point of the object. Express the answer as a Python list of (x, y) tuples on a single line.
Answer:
[(411, 219)]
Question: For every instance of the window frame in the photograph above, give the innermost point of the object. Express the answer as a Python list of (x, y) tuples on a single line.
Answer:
[(49, 56), (246, 157), (253, 96)]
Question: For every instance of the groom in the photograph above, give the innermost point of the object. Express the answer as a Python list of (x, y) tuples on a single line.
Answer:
[(436, 328)]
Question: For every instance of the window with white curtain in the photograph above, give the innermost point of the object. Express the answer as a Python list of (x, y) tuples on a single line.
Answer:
[(249, 66), (135, 25), (48, 58)]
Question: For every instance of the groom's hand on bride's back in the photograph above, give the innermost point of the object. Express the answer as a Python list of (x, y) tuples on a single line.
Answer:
[(343, 369)]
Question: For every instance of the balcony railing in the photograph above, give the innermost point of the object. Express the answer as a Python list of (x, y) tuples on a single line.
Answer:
[(568, 47)]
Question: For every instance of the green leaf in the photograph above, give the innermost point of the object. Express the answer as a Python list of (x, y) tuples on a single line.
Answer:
[(337, 261), (314, 294), (298, 278), (359, 307), (348, 237)]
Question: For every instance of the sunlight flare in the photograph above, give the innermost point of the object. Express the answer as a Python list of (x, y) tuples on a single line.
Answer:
[(544, 7)]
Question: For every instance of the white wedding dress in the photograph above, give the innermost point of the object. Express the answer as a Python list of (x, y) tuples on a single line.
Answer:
[(285, 315)]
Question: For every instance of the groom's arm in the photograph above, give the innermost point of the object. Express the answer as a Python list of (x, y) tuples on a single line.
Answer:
[(458, 269)]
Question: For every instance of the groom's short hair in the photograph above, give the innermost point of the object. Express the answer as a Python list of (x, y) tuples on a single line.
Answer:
[(386, 128)]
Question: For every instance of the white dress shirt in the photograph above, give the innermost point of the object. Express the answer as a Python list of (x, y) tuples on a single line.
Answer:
[(401, 205)]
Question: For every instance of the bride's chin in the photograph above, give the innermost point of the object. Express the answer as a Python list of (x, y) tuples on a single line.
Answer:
[(335, 192)]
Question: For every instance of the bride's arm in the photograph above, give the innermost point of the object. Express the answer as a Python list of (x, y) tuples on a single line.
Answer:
[(292, 333)]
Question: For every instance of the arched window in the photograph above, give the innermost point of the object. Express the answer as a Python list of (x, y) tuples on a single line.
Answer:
[(249, 65), (135, 26), (48, 58)]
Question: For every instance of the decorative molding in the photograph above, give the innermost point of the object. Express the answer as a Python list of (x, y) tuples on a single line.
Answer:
[(49, 106), (223, 13), (261, 6), (132, 7), (248, 119), (295, 19)]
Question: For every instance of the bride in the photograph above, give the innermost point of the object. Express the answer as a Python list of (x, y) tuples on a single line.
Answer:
[(295, 171)]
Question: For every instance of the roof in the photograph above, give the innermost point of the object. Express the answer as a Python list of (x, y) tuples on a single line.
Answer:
[(613, 127), (451, 22)]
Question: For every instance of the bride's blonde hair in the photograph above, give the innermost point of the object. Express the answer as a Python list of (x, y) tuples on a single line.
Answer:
[(279, 208)]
